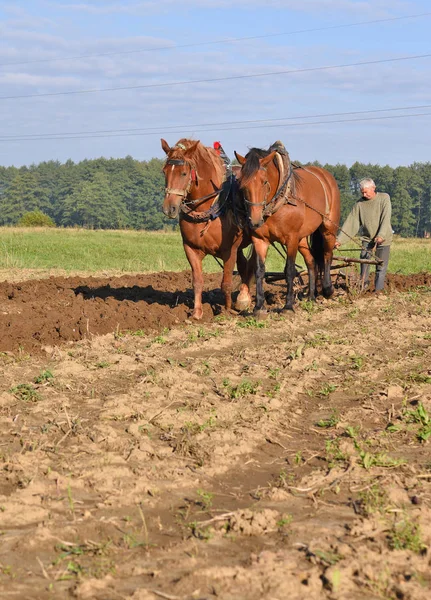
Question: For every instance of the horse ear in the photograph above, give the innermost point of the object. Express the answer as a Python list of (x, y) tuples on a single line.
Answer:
[(265, 161), (191, 150), (165, 146), (239, 158)]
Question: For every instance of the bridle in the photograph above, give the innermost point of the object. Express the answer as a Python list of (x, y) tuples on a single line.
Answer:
[(265, 203), (265, 199), (184, 206), (193, 175)]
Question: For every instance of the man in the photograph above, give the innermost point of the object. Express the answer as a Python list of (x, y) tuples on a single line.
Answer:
[(219, 149), (372, 216)]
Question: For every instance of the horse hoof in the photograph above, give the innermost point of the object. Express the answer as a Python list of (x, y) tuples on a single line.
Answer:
[(197, 315), (242, 305), (288, 308), (260, 314), (327, 292)]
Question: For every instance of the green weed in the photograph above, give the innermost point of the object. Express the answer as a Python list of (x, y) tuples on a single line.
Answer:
[(352, 431), (202, 533), (373, 499), (131, 541), (252, 323), (406, 535), (297, 352), (298, 459), (421, 416), (356, 362), (318, 340), (284, 521), (308, 306), (334, 454), (327, 389), (136, 332), (44, 377), (378, 459), (244, 388), (420, 377), (274, 373), (25, 392), (333, 420), (205, 498), (203, 334)]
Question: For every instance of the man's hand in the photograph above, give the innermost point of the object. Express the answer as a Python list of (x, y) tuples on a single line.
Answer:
[(337, 244), (379, 240)]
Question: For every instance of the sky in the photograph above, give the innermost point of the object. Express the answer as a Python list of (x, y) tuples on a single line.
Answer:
[(245, 73)]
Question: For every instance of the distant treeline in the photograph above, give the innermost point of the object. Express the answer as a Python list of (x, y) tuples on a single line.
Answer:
[(127, 193)]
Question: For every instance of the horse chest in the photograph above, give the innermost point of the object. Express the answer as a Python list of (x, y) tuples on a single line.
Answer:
[(202, 236)]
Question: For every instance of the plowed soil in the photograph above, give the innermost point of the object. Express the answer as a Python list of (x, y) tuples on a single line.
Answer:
[(47, 312), (144, 456)]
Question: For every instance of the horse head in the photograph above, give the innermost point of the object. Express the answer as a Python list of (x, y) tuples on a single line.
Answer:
[(258, 181), (180, 175)]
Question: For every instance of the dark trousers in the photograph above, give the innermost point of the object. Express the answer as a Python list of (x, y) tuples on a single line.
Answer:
[(381, 252)]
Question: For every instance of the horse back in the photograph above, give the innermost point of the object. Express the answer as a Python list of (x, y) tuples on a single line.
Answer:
[(319, 188)]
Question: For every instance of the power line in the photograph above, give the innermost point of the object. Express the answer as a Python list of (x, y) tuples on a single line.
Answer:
[(283, 125), (216, 79), (192, 126), (215, 42)]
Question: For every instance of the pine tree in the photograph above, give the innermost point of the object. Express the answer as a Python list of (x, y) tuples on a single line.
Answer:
[(24, 194)]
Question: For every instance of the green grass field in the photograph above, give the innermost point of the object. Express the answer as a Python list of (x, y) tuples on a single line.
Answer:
[(86, 251)]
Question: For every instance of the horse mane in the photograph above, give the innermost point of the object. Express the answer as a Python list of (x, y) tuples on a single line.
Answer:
[(252, 164), (203, 155)]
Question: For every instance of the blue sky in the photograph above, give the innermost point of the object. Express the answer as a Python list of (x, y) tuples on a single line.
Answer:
[(154, 43)]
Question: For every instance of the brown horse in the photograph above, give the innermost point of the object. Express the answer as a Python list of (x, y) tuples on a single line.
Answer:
[(198, 191), (290, 204)]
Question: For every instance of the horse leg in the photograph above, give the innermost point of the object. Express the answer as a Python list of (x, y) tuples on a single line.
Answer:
[(261, 248), (246, 268), (290, 271), (311, 267), (195, 259), (226, 283), (328, 249)]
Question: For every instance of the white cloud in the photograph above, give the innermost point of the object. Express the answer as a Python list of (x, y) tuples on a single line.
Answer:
[(23, 18), (377, 8), (23, 35), (31, 81)]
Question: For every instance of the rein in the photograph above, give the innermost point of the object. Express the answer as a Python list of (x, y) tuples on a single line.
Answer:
[(325, 215), (213, 212)]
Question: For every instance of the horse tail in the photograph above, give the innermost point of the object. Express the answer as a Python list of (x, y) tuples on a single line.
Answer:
[(317, 249)]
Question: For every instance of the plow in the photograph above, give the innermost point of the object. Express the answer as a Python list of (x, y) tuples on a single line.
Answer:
[(343, 269)]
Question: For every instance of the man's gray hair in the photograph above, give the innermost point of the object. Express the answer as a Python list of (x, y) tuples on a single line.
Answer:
[(366, 183)]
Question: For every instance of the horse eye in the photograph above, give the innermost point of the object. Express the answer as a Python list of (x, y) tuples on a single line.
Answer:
[(183, 174)]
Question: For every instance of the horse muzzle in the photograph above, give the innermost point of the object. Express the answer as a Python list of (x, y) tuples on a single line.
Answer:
[(171, 211), (254, 227), (256, 223)]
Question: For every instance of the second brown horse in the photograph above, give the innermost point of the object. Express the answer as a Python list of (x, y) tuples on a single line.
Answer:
[(290, 205)]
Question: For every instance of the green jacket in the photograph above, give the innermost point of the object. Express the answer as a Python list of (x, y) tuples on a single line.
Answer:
[(369, 218)]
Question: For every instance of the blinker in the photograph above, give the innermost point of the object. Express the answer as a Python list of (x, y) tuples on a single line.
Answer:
[(175, 161)]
